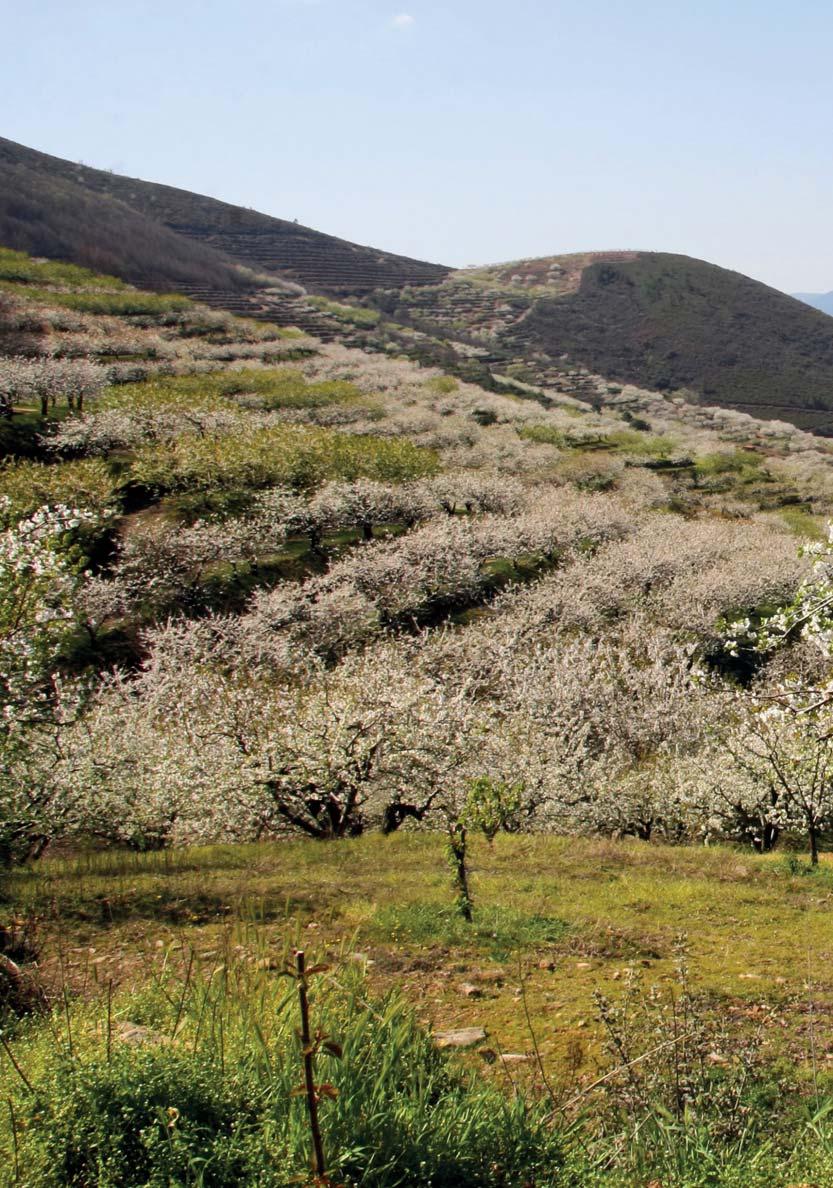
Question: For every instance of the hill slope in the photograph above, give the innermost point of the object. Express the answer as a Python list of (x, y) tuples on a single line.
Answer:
[(54, 217), (258, 241), (658, 320)]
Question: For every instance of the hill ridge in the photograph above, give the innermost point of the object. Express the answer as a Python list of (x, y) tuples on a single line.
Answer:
[(263, 243)]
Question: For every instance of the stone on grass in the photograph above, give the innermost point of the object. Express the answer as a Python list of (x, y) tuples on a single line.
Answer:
[(463, 1037)]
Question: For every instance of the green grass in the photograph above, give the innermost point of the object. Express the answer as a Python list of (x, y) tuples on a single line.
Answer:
[(544, 435), (804, 524), (743, 463), (562, 918), (624, 441), (22, 268), (117, 304), (500, 932)]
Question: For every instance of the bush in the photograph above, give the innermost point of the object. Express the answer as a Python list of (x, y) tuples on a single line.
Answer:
[(216, 1107), (298, 456), (86, 483), (149, 1117), (274, 387)]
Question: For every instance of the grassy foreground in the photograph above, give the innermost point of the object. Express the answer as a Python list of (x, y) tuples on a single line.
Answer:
[(190, 945)]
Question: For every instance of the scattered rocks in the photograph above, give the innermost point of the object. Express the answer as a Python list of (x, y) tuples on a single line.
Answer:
[(463, 1037)]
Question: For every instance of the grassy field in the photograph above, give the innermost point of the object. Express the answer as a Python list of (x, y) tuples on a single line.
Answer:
[(568, 917), (136, 945)]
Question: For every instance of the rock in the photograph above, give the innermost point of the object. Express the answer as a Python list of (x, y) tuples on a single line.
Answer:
[(515, 1058), (547, 966), (136, 1033), (469, 990), (584, 965), (464, 1037)]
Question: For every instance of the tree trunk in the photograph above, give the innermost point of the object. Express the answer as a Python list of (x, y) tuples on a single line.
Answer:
[(814, 846), (457, 843)]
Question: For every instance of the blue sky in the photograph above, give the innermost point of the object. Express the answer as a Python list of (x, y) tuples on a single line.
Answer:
[(463, 132)]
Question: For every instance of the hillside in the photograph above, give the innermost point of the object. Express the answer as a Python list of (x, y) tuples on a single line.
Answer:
[(661, 321), (53, 216), (285, 626), (257, 241), (664, 322)]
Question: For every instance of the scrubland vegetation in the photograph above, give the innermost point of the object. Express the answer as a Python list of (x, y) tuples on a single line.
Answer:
[(483, 699)]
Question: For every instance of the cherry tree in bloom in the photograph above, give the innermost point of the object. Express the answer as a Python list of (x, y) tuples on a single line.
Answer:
[(39, 584), (48, 379)]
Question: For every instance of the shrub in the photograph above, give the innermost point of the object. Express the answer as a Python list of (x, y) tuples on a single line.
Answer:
[(276, 387), (298, 456), (87, 483), (149, 1117), (220, 1110)]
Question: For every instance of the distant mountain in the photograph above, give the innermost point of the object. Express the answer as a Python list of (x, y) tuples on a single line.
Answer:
[(822, 301), (40, 193)]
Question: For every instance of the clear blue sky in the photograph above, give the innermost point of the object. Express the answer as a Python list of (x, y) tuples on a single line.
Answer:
[(462, 132)]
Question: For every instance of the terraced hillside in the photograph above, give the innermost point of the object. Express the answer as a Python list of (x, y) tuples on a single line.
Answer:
[(257, 241), (662, 321), (665, 322), (53, 216)]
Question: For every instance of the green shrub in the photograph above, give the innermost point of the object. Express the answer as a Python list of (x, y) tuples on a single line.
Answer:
[(85, 483), (443, 385), (738, 462), (352, 315), (631, 441), (215, 1107), (300, 456), (102, 301), (122, 304), (544, 435), (275, 387), (149, 1117), (18, 266)]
